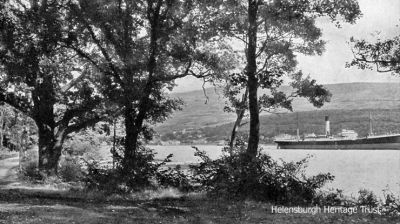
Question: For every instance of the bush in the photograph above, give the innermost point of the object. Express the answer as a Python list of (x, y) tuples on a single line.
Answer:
[(391, 204), (70, 169), (333, 198), (367, 198), (144, 173), (237, 176), (30, 170), (104, 179), (175, 177)]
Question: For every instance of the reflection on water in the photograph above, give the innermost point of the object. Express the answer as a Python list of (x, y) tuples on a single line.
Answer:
[(375, 170)]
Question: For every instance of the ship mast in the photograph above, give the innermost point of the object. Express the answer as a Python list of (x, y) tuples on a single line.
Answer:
[(371, 132), (327, 127), (298, 130)]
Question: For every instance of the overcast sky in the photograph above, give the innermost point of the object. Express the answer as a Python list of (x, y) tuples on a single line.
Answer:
[(381, 18)]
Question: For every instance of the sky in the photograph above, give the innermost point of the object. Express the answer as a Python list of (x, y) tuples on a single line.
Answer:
[(381, 19)]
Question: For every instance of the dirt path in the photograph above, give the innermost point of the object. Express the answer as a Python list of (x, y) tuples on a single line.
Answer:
[(8, 169)]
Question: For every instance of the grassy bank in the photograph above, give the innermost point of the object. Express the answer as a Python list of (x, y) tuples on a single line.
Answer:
[(25, 206)]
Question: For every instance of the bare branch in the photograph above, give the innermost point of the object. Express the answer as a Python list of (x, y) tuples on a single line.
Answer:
[(204, 90), (73, 82)]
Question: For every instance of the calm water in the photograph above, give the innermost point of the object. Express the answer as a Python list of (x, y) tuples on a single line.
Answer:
[(375, 170)]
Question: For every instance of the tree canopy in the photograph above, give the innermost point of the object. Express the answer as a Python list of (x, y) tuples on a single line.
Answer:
[(271, 34), (69, 64), (382, 55), (43, 79), (140, 48)]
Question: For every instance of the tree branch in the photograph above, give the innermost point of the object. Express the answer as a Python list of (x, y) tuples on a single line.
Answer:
[(102, 49), (15, 101), (73, 82), (83, 124)]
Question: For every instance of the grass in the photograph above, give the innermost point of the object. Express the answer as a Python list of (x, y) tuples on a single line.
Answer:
[(161, 206), (51, 203), (39, 203)]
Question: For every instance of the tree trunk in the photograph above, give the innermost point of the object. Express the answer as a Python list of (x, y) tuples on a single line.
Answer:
[(50, 147), (235, 129), (131, 138), (239, 117), (134, 119), (252, 82), (1, 127), (50, 142)]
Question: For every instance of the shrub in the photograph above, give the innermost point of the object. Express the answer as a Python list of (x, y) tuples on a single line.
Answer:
[(367, 198), (70, 169), (175, 177), (102, 178), (30, 170), (391, 204), (333, 198), (145, 173), (262, 178)]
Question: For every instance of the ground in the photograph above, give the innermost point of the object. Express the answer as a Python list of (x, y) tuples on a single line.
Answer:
[(20, 203)]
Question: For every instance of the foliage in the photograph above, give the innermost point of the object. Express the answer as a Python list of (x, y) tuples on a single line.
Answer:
[(332, 198), (270, 34), (70, 169), (176, 178), (367, 198), (43, 79), (391, 204), (264, 179), (13, 124), (30, 170), (384, 55), (144, 174), (140, 48), (103, 178)]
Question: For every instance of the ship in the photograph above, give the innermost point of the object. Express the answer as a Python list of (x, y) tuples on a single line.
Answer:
[(345, 140)]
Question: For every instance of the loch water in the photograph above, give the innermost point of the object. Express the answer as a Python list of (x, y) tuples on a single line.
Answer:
[(375, 170)]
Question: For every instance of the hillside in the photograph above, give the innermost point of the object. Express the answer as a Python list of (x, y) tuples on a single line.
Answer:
[(348, 96), (202, 122)]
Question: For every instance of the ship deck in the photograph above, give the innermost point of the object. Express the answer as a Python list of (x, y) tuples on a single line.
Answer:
[(391, 141)]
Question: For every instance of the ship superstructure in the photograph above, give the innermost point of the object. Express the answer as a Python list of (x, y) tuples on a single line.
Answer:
[(346, 139)]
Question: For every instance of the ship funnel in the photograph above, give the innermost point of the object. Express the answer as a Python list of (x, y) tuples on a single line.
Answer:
[(327, 126)]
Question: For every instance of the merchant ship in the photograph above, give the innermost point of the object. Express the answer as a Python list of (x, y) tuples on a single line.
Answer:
[(346, 139)]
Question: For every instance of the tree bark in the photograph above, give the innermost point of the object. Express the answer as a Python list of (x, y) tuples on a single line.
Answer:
[(239, 117), (131, 137), (235, 129), (134, 120), (1, 127), (50, 144), (252, 82), (50, 147)]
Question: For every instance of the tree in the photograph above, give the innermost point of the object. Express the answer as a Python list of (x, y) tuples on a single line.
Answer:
[(273, 101), (384, 55), (140, 48), (42, 79), (269, 29)]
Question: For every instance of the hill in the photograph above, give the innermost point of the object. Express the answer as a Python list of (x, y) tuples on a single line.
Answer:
[(200, 111)]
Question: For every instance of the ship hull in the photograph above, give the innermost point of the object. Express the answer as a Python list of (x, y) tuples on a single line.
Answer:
[(391, 142)]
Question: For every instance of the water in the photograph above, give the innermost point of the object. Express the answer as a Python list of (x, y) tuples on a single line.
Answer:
[(374, 170)]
